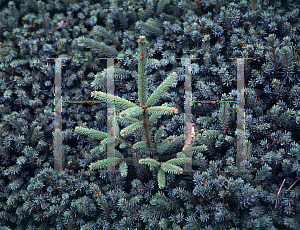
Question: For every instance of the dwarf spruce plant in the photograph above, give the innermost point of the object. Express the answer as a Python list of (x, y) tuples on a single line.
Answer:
[(152, 145)]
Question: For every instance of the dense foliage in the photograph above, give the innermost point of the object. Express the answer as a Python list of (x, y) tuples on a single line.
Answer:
[(150, 190)]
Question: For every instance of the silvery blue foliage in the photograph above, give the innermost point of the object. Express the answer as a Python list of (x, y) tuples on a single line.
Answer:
[(216, 196)]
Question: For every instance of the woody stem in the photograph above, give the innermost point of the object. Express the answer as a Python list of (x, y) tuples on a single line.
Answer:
[(145, 126)]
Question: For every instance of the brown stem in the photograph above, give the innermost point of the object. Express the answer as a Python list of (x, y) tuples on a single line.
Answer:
[(144, 107)]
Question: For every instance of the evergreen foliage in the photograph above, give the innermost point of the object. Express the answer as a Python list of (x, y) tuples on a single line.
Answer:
[(149, 188)]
